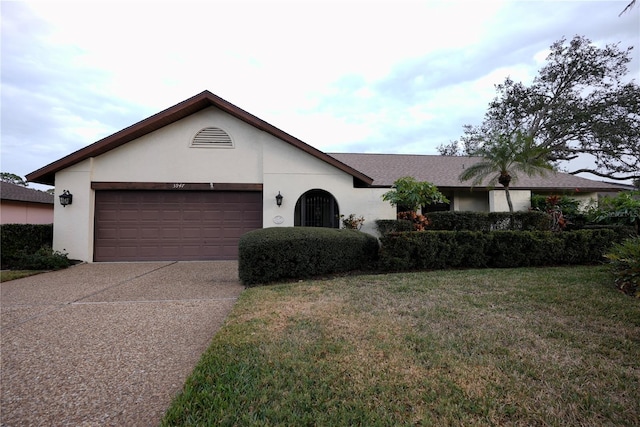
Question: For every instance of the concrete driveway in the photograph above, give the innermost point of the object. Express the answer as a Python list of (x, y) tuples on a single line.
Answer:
[(109, 343)]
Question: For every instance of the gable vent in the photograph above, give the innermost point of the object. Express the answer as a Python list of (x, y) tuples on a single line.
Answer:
[(212, 137)]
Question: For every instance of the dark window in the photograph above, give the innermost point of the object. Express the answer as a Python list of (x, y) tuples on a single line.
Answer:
[(436, 207), (440, 207), (317, 208)]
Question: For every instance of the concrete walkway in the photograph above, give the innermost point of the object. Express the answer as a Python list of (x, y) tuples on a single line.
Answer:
[(107, 344)]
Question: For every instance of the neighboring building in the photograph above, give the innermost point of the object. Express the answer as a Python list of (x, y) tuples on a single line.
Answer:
[(444, 171), (186, 183), (22, 205)]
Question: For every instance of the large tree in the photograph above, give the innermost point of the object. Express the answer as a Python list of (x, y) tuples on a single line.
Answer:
[(578, 105), (503, 157)]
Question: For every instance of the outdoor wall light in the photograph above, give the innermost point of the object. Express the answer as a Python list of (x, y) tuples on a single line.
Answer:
[(279, 199), (66, 198)]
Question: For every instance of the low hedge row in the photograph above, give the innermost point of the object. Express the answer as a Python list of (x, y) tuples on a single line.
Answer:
[(271, 254), (19, 240), (474, 249), (488, 221), (472, 221)]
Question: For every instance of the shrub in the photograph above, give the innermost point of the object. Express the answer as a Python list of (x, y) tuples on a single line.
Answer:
[(418, 222), (388, 226), (622, 209), (625, 265), (19, 240), (475, 249), (410, 194), (622, 231), (352, 222), (485, 221), (564, 209), (44, 258), (278, 253)]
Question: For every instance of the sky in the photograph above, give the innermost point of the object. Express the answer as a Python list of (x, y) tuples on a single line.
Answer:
[(343, 76)]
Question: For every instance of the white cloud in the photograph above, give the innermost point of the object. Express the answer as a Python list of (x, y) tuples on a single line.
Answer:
[(341, 75)]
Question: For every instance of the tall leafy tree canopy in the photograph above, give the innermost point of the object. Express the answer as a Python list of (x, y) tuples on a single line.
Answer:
[(579, 104)]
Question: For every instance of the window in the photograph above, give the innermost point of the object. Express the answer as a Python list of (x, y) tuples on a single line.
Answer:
[(212, 137), (317, 208)]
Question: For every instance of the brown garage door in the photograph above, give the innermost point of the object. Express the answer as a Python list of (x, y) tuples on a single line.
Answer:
[(173, 225)]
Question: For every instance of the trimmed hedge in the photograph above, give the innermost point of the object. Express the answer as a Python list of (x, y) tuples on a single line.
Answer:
[(271, 254), (19, 240), (387, 226), (474, 249), (488, 221), (471, 221)]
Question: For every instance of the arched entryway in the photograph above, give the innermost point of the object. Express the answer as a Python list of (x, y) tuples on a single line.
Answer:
[(317, 208)]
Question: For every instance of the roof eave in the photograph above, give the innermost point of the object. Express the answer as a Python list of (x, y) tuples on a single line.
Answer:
[(46, 174)]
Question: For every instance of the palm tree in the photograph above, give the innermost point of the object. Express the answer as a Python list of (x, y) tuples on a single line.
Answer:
[(503, 158)]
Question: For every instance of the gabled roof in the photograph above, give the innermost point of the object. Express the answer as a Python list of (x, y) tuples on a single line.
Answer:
[(19, 193), (206, 99), (443, 171)]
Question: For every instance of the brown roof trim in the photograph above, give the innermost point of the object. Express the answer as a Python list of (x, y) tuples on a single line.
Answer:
[(46, 174)]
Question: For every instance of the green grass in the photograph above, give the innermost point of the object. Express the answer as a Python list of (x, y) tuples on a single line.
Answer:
[(553, 346), (6, 275)]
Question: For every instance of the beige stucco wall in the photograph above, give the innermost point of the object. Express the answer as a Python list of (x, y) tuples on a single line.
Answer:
[(73, 224), (467, 200), (166, 156), (293, 172), (521, 200), (14, 212)]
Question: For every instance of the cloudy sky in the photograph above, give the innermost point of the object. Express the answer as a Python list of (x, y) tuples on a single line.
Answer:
[(344, 76)]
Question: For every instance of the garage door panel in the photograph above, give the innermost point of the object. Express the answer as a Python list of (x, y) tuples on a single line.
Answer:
[(168, 225), (128, 234)]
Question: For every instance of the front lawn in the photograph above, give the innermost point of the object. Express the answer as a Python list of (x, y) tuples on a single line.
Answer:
[(6, 275), (552, 346)]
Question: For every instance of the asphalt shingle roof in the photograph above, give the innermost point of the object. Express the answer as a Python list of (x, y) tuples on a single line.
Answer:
[(443, 171), (23, 194)]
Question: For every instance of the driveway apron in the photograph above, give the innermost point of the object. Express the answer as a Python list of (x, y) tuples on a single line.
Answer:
[(108, 343)]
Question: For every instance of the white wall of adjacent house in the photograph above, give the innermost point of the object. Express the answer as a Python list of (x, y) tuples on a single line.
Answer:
[(587, 200), (521, 200), (470, 200), (166, 156)]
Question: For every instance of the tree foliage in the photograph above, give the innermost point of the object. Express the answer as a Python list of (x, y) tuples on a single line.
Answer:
[(579, 104), (624, 208), (503, 158), (12, 178), (411, 194)]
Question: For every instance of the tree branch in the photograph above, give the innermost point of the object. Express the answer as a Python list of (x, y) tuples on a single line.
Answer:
[(604, 175), (629, 6)]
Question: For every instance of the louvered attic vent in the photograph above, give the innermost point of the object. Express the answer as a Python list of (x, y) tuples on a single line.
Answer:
[(212, 137)]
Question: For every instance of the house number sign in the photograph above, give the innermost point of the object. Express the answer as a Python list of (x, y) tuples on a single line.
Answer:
[(190, 186)]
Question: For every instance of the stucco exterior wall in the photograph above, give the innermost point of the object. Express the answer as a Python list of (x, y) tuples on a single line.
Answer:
[(15, 212), (73, 224), (293, 172), (465, 201), (166, 156), (521, 200)]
